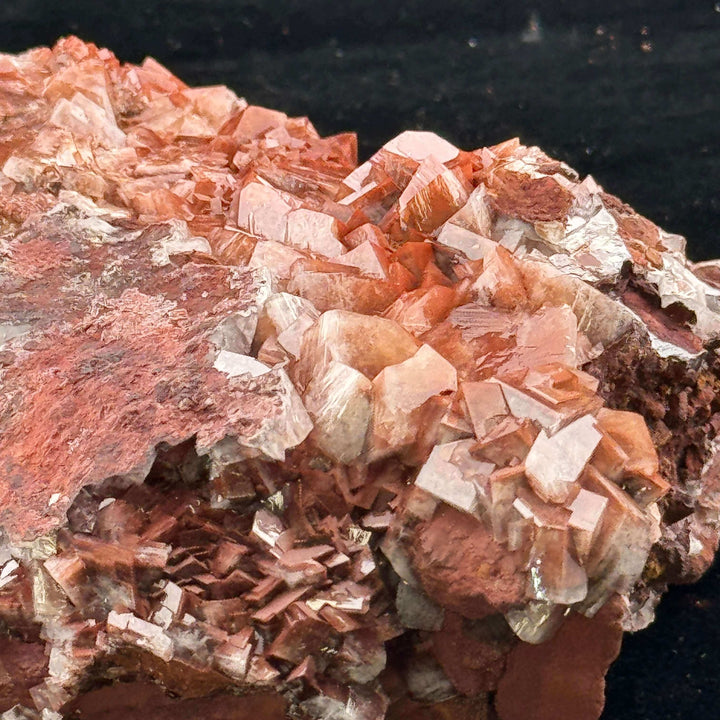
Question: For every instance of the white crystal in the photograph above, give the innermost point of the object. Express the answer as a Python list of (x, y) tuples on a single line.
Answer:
[(677, 284), (587, 511), (20, 712), (291, 338), (236, 330), (234, 364), (340, 404), (443, 477), (263, 211), (314, 231), (8, 568), (471, 244), (117, 620), (430, 372), (172, 597), (276, 255), (476, 214), (594, 244), (267, 527), (151, 637), (555, 462), (280, 311), (283, 428), (177, 241), (233, 660), (523, 406), (420, 144), (366, 258)]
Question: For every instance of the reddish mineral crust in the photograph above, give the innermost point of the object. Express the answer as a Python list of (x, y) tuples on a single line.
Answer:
[(285, 436)]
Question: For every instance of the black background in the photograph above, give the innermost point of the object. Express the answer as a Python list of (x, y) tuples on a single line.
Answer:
[(627, 90)]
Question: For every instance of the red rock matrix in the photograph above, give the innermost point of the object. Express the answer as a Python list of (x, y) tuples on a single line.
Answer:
[(285, 436)]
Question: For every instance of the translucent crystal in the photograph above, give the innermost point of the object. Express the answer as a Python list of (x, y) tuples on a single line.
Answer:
[(420, 144), (280, 311), (264, 211), (287, 426), (471, 244), (475, 215), (587, 511), (594, 244), (272, 253), (555, 576), (420, 310), (535, 622), (347, 596), (508, 442), (485, 404), (361, 658), (523, 405), (233, 660), (621, 548), (68, 572), (325, 708), (500, 284), (453, 476), (504, 485), (369, 258), (400, 391), (555, 462), (249, 351), (426, 680), (145, 634), (432, 196), (83, 118), (177, 241), (340, 403), (49, 695), (291, 339), (267, 527), (19, 712), (314, 231), (365, 343), (677, 284), (234, 364), (642, 467), (235, 331), (416, 610)]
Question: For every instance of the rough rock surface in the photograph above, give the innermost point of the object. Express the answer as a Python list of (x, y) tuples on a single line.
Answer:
[(285, 436)]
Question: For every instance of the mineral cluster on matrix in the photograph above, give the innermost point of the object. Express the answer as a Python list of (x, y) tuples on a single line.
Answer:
[(285, 436)]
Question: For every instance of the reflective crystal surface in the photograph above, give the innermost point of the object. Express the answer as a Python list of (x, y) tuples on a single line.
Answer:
[(282, 435)]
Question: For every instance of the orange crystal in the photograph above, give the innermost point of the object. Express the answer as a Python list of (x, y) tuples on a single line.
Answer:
[(265, 411)]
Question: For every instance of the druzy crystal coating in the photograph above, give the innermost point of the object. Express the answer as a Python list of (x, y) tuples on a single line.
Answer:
[(285, 435)]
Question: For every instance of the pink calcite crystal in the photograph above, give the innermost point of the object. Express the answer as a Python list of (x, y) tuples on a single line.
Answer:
[(285, 436)]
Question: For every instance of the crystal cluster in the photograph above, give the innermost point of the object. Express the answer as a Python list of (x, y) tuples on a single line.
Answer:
[(287, 436)]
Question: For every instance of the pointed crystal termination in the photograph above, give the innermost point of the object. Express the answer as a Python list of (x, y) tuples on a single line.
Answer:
[(285, 436)]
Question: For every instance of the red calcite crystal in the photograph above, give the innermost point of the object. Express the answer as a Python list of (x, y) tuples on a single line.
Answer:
[(285, 436)]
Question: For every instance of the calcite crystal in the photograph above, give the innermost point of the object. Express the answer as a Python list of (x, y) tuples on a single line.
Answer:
[(282, 435)]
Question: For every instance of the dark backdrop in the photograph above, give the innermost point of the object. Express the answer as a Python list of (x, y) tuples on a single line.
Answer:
[(627, 90)]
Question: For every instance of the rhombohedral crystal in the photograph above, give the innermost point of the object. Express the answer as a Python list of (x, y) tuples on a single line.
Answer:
[(282, 435)]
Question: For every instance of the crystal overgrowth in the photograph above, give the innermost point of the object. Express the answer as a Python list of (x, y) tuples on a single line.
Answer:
[(287, 436)]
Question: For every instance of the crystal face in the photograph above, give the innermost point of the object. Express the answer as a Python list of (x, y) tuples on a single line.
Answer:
[(285, 436)]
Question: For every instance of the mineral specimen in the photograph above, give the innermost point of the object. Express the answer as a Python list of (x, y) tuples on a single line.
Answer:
[(285, 436)]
